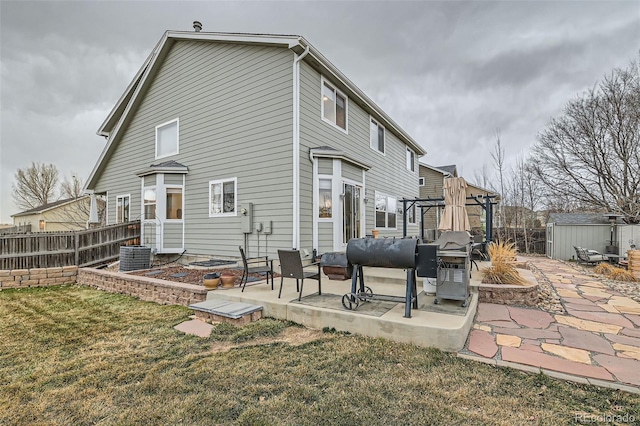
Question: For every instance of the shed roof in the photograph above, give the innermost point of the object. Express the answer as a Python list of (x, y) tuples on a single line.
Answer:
[(579, 219), (49, 206)]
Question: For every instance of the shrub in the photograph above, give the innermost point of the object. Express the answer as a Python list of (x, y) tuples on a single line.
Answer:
[(502, 271)]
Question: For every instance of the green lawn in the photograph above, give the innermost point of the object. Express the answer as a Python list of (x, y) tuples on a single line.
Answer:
[(72, 355)]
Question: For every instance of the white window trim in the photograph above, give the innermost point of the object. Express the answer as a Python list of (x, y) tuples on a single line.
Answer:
[(413, 162), (421, 181), (177, 121), (346, 106), (181, 188), (384, 136), (123, 196), (235, 197), (386, 221)]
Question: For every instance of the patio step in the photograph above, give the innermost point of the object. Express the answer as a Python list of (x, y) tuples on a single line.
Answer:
[(226, 311), (384, 276)]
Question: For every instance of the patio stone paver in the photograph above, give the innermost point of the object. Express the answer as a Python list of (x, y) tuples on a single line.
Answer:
[(506, 340), (628, 351), (631, 332), (572, 354), (492, 312), (550, 362), (482, 343), (581, 324), (585, 340), (196, 327), (532, 318), (625, 370), (604, 317), (598, 336)]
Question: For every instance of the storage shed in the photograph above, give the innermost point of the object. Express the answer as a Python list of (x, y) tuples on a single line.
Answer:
[(589, 230)]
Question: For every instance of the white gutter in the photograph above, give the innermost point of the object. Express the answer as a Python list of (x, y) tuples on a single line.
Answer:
[(296, 148)]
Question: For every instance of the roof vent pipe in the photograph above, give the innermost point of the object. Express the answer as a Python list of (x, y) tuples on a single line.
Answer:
[(197, 25)]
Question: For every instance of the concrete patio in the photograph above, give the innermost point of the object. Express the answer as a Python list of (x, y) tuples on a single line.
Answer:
[(444, 326)]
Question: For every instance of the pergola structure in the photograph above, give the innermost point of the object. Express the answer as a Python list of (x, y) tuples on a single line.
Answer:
[(425, 204)]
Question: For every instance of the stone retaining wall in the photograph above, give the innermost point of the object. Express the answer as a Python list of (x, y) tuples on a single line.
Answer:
[(144, 288), (38, 277), (504, 294)]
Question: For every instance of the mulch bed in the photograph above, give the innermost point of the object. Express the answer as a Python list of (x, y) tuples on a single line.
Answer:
[(178, 273)]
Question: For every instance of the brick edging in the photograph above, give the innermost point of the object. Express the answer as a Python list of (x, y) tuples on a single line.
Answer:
[(38, 277), (143, 288)]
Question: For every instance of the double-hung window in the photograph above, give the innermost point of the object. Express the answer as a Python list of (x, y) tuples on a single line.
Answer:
[(411, 160), (223, 197), (334, 106), (386, 211), (122, 208), (167, 140), (376, 136)]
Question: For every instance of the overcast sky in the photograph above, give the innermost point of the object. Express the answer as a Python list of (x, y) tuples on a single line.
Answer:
[(450, 73)]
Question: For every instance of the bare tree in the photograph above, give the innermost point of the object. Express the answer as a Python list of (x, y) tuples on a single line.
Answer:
[(590, 156), (71, 188), (35, 185)]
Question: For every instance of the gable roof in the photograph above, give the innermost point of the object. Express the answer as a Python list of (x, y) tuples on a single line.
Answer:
[(580, 219), (121, 112), (49, 206), (445, 173), (451, 169)]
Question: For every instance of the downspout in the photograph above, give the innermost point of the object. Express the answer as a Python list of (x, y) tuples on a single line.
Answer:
[(315, 202), (296, 148)]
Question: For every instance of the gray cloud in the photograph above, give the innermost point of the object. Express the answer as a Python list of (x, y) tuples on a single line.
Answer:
[(450, 73)]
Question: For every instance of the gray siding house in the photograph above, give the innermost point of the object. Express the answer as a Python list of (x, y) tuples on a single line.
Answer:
[(227, 139)]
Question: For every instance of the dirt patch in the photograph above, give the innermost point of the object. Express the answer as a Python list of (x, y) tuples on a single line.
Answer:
[(183, 274), (294, 336)]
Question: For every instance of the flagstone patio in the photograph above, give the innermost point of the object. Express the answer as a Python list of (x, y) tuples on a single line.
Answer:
[(596, 341)]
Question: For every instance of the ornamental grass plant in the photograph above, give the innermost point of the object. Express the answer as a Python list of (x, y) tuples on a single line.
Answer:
[(502, 269), (614, 273)]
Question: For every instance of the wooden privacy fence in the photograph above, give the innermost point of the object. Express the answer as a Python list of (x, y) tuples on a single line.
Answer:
[(79, 248)]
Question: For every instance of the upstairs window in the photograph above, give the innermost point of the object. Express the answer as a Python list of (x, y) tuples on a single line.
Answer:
[(167, 139), (377, 136), (411, 160), (334, 106), (222, 197), (421, 181)]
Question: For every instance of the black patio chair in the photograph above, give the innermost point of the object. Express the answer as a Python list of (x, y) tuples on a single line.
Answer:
[(248, 269), (291, 267)]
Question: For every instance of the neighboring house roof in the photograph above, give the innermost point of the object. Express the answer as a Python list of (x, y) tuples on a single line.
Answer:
[(580, 219), (451, 169), (120, 115), (49, 206), (481, 189), (436, 169)]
